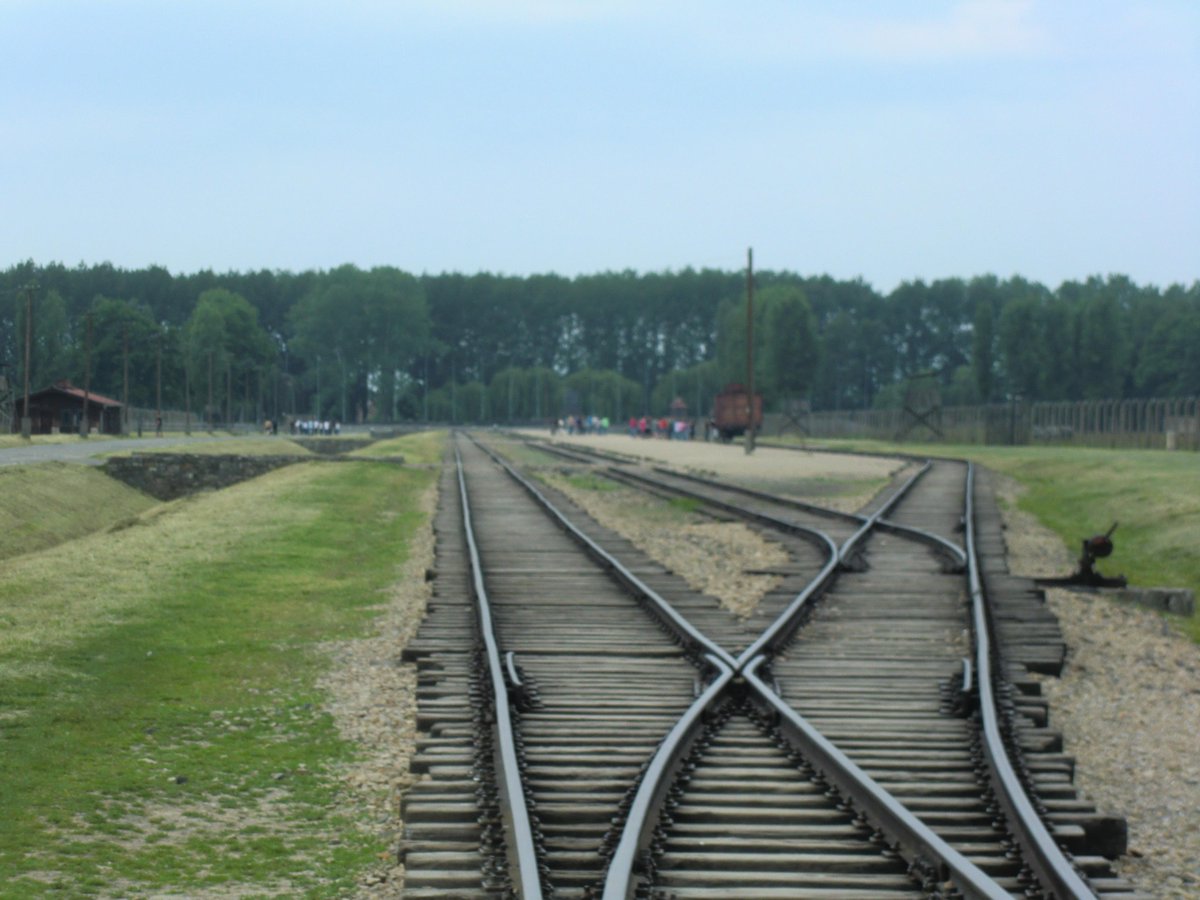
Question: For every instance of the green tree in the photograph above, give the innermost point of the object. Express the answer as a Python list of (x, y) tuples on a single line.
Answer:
[(225, 347), (791, 344), (1170, 358), (1103, 348), (359, 335), (122, 330), (1021, 348)]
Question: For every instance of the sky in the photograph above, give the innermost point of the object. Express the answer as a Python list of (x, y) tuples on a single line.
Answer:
[(873, 139)]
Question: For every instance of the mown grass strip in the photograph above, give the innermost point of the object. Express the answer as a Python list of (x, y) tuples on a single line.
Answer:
[(423, 448), (49, 503), (159, 726)]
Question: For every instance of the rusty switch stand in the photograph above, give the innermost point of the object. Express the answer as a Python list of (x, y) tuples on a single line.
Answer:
[(1096, 547)]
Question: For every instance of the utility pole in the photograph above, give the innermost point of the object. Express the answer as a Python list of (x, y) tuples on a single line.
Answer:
[(212, 413), (26, 419), (158, 386), (749, 351), (84, 425), (125, 377), (187, 397)]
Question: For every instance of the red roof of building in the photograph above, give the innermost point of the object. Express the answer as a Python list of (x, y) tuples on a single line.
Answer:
[(65, 387)]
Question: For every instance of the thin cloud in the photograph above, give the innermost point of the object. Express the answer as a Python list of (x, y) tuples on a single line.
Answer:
[(976, 29)]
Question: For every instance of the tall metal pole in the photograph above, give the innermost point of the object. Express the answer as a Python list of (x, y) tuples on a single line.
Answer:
[(26, 419), (750, 350)]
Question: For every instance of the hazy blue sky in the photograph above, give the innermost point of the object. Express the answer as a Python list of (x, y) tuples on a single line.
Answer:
[(1048, 138)]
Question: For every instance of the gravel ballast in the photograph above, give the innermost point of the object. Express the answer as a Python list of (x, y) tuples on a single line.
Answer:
[(1128, 703), (1128, 706)]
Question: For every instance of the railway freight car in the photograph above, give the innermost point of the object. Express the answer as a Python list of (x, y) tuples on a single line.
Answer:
[(731, 412)]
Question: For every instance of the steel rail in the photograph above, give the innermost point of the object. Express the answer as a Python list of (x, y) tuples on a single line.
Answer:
[(918, 844), (948, 548), (1050, 865), (926, 852), (1045, 858), (691, 638), (955, 554), (622, 877), (524, 869), (874, 518)]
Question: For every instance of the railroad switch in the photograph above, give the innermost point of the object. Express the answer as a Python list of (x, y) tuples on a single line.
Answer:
[(961, 694), (1099, 546)]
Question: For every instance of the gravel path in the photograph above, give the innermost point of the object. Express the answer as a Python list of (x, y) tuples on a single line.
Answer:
[(87, 451)]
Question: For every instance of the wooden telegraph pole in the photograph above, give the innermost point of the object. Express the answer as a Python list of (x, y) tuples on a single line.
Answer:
[(750, 350), (125, 377), (187, 396), (26, 419), (84, 425), (158, 385), (211, 411)]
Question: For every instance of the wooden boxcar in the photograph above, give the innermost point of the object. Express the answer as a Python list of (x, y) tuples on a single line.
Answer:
[(730, 412)]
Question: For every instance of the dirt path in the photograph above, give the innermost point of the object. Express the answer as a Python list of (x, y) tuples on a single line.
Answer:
[(87, 451)]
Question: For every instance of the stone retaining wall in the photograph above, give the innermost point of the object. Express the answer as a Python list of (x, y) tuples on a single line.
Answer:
[(331, 446), (167, 476)]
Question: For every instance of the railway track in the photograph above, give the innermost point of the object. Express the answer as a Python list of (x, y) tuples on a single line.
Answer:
[(605, 757)]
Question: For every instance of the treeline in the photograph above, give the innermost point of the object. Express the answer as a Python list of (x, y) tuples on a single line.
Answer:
[(385, 344)]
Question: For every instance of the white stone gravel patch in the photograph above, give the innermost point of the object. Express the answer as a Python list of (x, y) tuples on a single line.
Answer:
[(698, 551), (1128, 705)]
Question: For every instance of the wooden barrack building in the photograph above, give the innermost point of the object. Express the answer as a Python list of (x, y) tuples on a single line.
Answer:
[(59, 409)]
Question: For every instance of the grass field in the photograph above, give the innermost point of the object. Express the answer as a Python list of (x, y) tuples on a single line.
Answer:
[(46, 504), (423, 448), (1077, 492), (161, 731)]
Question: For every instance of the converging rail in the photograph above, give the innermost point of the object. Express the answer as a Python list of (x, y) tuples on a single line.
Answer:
[(716, 758)]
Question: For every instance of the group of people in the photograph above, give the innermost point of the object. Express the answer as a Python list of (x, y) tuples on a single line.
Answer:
[(644, 427), (581, 425), (307, 427), (668, 429)]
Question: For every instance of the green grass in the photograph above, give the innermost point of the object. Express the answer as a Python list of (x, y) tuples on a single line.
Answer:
[(160, 727), (588, 481), (685, 504), (423, 448), (46, 504), (1154, 495), (524, 454)]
